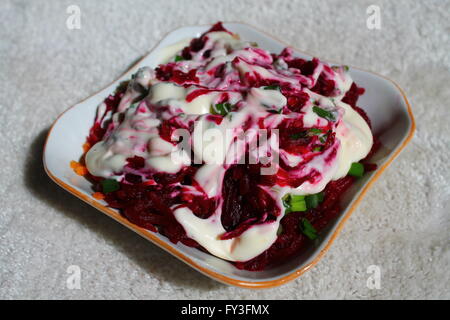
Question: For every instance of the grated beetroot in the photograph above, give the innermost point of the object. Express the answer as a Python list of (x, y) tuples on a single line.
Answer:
[(245, 201), (352, 96), (99, 128), (149, 206)]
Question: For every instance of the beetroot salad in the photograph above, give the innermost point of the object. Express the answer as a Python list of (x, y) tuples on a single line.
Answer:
[(228, 148)]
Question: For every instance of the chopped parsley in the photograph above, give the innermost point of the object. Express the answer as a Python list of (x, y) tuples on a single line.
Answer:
[(324, 113)]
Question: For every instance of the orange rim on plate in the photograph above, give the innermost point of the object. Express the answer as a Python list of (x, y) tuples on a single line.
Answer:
[(217, 276)]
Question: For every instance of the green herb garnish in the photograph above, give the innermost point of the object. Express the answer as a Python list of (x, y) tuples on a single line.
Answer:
[(298, 135), (324, 113), (298, 206), (272, 87), (356, 170), (274, 111), (335, 68), (297, 198), (287, 202), (298, 203), (178, 58), (313, 200), (294, 203), (307, 229), (221, 108), (280, 230), (110, 185), (323, 138), (314, 131)]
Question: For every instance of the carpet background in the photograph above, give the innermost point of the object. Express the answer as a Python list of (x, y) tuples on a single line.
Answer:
[(402, 225)]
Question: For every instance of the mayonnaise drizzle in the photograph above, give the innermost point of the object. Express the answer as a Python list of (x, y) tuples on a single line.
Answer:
[(148, 101)]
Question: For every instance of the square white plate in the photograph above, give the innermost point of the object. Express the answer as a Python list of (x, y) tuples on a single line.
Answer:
[(384, 102)]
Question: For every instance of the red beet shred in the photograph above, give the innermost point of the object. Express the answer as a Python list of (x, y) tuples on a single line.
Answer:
[(148, 205)]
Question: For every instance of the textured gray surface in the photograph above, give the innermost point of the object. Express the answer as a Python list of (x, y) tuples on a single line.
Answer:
[(402, 225)]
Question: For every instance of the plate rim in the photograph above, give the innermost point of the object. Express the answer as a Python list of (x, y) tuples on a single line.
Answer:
[(289, 276)]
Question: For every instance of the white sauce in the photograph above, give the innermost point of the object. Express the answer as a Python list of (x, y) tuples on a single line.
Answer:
[(211, 143), (257, 238), (356, 140)]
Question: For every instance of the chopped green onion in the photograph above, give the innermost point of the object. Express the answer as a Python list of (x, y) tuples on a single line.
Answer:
[(313, 200), (310, 234), (286, 200), (287, 203), (178, 58), (317, 149), (298, 206), (280, 230), (314, 131), (336, 68), (356, 170), (298, 135), (307, 225), (296, 198), (294, 203), (297, 203), (307, 229), (110, 185), (221, 108), (324, 113), (272, 87), (274, 111), (321, 196)]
